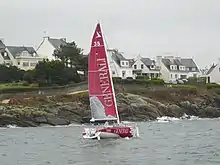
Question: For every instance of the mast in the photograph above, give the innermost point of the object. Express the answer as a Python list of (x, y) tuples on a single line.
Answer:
[(113, 90)]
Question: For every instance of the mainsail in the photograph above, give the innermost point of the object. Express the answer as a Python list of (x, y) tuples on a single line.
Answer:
[(101, 91)]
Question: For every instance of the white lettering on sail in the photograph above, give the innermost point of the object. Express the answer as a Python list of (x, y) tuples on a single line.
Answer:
[(98, 35), (104, 82), (96, 43)]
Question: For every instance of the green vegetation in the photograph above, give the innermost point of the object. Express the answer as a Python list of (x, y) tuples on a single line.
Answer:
[(140, 80), (46, 73)]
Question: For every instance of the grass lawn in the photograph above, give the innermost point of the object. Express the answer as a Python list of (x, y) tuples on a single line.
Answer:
[(8, 85)]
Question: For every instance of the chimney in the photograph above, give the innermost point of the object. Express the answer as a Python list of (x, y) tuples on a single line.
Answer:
[(158, 60)]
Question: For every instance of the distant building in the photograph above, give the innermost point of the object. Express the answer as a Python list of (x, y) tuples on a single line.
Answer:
[(145, 66), (213, 74), (174, 68), (48, 45), (21, 56), (120, 66)]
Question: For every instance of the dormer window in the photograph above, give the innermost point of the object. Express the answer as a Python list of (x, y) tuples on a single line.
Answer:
[(34, 54), (25, 53), (127, 63), (142, 66), (152, 66), (122, 63), (135, 66)]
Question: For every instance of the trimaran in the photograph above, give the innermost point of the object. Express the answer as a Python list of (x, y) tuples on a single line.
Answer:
[(102, 95)]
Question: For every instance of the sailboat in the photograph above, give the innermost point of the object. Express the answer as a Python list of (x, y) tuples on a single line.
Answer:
[(102, 95)]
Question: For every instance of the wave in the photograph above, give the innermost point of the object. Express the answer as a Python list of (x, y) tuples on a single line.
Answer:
[(166, 119)]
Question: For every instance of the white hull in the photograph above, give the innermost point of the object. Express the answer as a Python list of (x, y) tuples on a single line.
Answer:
[(101, 135), (90, 133)]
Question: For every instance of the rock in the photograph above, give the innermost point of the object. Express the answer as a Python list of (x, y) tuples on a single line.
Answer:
[(209, 112), (54, 120)]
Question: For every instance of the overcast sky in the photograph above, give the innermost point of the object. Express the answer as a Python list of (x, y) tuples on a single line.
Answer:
[(188, 28)]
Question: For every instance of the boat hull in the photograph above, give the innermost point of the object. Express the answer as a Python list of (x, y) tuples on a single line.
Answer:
[(110, 132)]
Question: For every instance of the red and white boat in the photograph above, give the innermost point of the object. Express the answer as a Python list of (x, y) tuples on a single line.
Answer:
[(102, 96)]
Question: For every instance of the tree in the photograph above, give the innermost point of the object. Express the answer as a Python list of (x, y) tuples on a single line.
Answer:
[(70, 54), (10, 74), (54, 72)]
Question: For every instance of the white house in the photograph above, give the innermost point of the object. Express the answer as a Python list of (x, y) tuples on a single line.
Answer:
[(213, 74), (173, 68), (145, 66), (23, 57), (4, 56), (120, 66), (48, 45)]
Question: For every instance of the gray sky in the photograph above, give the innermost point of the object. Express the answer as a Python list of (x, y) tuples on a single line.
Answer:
[(189, 28)]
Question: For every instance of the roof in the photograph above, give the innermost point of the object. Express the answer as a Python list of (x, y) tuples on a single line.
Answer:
[(57, 42), (2, 45), (211, 69), (16, 50), (187, 62), (147, 61), (117, 57)]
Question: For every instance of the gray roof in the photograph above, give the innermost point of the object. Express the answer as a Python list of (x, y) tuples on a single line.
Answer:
[(117, 57), (211, 69), (57, 42), (16, 50), (2, 45), (187, 62), (147, 61), (3, 51)]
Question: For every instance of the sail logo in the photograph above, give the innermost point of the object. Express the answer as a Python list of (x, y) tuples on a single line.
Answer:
[(98, 35), (121, 131), (105, 85)]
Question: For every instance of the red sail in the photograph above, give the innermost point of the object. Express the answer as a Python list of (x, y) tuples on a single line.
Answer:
[(101, 92)]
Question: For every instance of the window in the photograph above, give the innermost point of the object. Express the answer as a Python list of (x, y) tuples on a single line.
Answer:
[(25, 64), (135, 66), (33, 64), (152, 66), (142, 66), (194, 75), (171, 76), (113, 72), (25, 53), (176, 76), (193, 69), (123, 73), (18, 63), (122, 63), (127, 63)]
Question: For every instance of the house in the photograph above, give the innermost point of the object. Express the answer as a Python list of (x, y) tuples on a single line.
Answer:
[(4, 56), (174, 68), (145, 66), (46, 49), (213, 74), (120, 66), (23, 57)]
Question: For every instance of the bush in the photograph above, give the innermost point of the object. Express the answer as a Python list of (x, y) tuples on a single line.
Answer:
[(140, 77), (116, 79), (156, 82), (212, 85)]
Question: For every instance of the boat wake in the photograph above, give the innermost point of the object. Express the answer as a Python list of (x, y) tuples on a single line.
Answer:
[(167, 119)]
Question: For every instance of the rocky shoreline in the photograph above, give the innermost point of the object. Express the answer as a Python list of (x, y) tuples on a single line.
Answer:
[(67, 109)]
